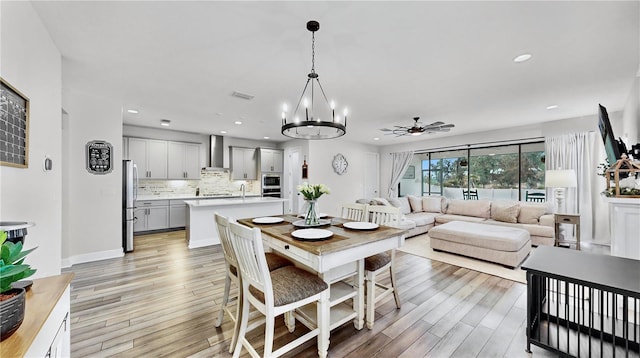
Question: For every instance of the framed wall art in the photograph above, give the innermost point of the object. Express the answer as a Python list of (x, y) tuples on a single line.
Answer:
[(410, 173), (99, 157), (14, 127)]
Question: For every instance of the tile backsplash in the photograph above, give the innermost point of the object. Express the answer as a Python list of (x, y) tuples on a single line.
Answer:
[(211, 182)]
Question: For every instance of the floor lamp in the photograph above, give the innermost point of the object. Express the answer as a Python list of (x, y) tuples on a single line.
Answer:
[(560, 180)]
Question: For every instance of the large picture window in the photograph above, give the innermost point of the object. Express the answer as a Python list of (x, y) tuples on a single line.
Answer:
[(509, 172)]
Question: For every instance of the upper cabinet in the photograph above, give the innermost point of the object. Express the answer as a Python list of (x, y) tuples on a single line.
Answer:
[(150, 157), (271, 160), (161, 159), (244, 165), (183, 161)]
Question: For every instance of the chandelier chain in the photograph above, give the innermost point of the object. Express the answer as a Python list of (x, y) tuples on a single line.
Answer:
[(313, 52)]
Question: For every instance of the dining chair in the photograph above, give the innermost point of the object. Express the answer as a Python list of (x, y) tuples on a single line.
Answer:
[(378, 263), (274, 293), (537, 197), (471, 194), (353, 211), (274, 262)]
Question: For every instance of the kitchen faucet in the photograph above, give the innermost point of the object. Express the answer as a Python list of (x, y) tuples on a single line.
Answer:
[(242, 187)]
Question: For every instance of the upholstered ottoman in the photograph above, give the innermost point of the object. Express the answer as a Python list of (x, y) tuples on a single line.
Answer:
[(504, 245)]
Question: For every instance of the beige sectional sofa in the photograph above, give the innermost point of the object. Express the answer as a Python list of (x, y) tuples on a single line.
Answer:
[(423, 213)]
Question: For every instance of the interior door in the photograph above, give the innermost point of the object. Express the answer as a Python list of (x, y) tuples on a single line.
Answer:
[(371, 175), (293, 178)]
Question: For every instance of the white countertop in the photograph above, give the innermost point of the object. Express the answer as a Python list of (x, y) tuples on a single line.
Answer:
[(233, 201), (190, 197)]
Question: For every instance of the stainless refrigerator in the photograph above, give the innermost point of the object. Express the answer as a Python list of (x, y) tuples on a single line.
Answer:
[(129, 196)]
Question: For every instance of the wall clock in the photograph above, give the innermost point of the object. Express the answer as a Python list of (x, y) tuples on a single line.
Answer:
[(340, 164)]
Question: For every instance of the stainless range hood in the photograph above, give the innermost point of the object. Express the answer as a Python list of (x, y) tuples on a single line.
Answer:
[(216, 154)]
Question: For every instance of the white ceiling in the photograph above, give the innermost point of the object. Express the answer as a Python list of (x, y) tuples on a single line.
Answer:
[(386, 61)]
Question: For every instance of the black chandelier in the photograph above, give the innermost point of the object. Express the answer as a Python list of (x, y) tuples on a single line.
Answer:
[(312, 126)]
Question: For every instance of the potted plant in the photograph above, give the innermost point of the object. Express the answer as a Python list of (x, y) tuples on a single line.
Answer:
[(12, 300)]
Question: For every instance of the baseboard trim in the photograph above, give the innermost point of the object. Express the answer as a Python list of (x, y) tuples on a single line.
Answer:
[(193, 244), (90, 257)]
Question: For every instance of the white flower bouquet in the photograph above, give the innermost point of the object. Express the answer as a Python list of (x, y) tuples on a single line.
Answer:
[(312, 191)]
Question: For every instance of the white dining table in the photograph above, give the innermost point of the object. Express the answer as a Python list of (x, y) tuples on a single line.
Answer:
[(334, 259)]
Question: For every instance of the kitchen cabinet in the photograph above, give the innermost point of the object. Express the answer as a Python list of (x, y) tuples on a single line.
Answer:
[(243, 163), (151, 215), (271, 160), (183, 160), (177, 213), (150, 156)]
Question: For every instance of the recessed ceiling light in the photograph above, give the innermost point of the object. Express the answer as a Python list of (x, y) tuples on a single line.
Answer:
[(223, 132), (522, 58), (265, 137), (238, 122), (553, 106), (165, 122), (133, 111), (376, 138)]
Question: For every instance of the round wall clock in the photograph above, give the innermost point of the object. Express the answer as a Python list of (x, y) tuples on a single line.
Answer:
[(340, 164)]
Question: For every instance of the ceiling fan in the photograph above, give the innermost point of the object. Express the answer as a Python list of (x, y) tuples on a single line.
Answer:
[(418, 128)]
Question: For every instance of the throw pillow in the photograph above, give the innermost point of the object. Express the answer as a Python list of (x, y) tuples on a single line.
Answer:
[(505, 211), (379, 201), (530, 213), (475, 208), (402, 203), (415, 203), (432, 204)]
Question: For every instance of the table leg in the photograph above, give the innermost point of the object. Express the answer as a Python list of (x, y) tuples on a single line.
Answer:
[(323, 324), (358, 301)]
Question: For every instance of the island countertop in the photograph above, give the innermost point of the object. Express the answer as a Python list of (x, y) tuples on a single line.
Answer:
[(233, 201)]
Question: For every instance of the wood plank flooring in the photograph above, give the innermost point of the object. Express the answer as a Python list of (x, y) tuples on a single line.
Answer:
[(162, 300)]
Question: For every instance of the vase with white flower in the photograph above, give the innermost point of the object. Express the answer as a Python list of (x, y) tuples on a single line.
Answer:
[(311, 193)]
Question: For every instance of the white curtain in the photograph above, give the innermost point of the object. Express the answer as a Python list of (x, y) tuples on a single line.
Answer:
[(575, 151), (399, 164)]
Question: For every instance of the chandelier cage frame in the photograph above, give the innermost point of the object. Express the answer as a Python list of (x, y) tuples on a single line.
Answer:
[(313, 127)]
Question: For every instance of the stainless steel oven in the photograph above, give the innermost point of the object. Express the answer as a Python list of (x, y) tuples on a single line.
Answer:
[(271, 185)]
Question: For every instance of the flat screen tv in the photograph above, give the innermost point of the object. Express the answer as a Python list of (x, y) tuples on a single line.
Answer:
[(612, 146)]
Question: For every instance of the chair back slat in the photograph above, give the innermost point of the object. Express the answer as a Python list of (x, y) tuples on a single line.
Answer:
[(223, 231), (353, 211), (252, 263), (383, 215)]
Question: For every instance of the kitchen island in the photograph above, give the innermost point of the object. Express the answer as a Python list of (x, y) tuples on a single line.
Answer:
[(200, 224)]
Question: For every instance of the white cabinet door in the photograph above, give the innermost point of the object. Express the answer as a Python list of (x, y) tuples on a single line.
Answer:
[(271, 161), (175, 161), (138, 153), (243, 164), (250, 164), (157, 217), (177, 215), (157, 159), (192, 161), (278, 161)]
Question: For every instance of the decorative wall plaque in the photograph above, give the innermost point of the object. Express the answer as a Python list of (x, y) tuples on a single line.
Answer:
[(99, 157), (14, 127)]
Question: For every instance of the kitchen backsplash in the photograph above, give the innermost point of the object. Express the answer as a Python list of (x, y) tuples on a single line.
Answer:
[(211, 182)]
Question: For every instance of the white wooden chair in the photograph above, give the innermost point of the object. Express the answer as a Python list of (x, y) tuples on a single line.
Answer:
[(353, 211), (273, 262), (275, 293), (376, 264)]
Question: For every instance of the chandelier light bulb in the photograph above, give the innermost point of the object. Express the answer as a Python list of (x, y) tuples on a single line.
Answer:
[(284, 107), (333, 105), (305, 103), (297, 120)]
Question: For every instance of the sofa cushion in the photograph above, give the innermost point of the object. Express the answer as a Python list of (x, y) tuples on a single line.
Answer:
[(421, 219), (432, 204), (533, 229), (445, 218), (405, 224), (530, 213), (480, 235), (475, 208), (415, 203), (402, 203), (362, 201), (505, 211)]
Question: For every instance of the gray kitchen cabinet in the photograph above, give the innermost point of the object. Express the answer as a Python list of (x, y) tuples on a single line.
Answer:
[(243, 163), (271, 160), (183, 160), (151, 215), (150, 156), (177, 214)]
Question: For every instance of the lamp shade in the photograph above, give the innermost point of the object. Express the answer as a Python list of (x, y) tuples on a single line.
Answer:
[(561, 178)]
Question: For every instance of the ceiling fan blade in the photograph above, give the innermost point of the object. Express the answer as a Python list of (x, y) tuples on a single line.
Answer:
[(438, 123), (386, 129), (448, 126)]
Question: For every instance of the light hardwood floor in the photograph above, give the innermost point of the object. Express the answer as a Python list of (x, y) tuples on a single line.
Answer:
[(162, 300)]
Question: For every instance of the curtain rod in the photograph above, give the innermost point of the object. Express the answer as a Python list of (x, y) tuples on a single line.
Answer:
[(483, 144)]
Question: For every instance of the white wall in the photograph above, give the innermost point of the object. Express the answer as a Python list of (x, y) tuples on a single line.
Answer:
[(93, 217), (631, 116), (345, 188), (32, 64)]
